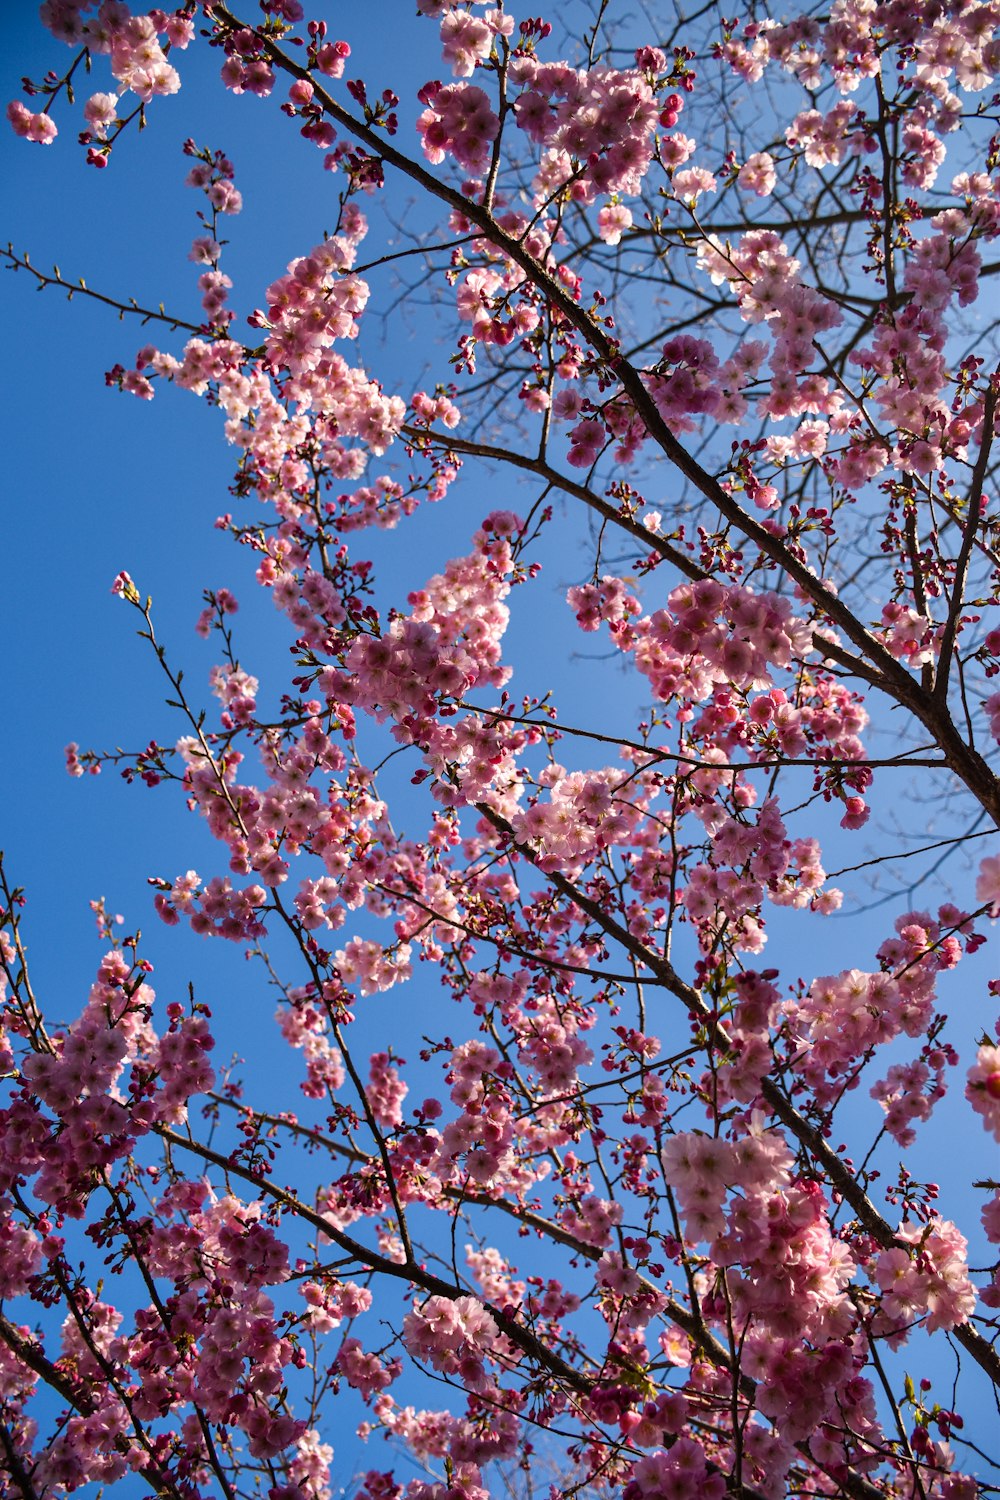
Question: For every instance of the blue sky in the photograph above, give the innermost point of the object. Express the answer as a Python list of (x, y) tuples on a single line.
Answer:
[(96, 482)]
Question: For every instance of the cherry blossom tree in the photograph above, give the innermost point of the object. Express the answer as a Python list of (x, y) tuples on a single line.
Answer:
[(655, 1215)]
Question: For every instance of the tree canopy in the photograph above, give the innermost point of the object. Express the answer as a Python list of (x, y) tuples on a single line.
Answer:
[(587, 1175)]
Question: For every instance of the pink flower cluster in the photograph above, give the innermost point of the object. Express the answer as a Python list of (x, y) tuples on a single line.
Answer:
[(909, 636), (988, 884), (181, 1062), (925, 1278), (213, 174), (365, 1372), (710, 634), (477, 1146), (983, 1087), (309, 1470), (690, 381), (786, 1275), (586, 812), (765, 280), (313, 305), (456, 1337), (595, 127), (745, 861), (37, 127), (824, 139), (909, 1092), (334, 1302), (848, 45), (908, 356), (758, 174), (458, 121), (845, 1015), (990, 1294), (217, 909), (466, 39), (386, 1091), (305, 1026), (682, 1472), (132, 43), (592, 1220), (96, 1123), (448, 644)]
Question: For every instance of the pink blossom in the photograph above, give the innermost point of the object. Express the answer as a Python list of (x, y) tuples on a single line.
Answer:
[(983, 1087), (758, 174), (612, 222), (988, 884), (465, 41), (205, 251), (454, 1336), (692, 182), (33, 127), (100, 111)]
